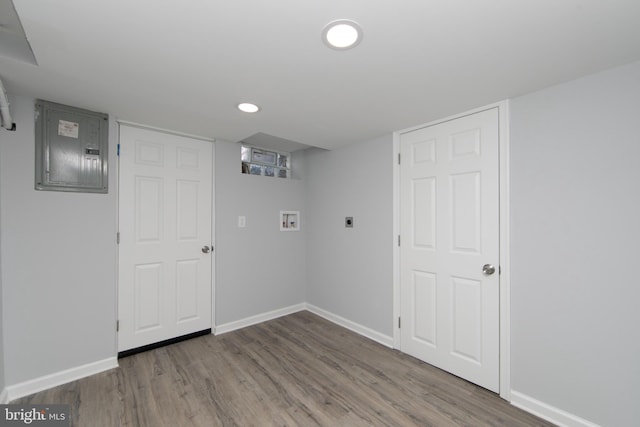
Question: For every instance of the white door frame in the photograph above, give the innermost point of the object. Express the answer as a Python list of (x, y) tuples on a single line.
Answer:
[(505, 313), (213, 212)]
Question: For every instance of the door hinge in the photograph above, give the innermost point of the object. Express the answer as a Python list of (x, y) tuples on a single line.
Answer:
[(399, 322), (398, 158), (499, 270), (118, 238), (118, 150), (398, 240), (117, 326)]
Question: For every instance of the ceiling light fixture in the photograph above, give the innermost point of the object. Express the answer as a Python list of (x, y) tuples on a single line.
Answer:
[(342, 34), (247, 107)]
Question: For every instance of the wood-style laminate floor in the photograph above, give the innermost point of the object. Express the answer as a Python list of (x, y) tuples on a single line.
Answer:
[(298, 370)]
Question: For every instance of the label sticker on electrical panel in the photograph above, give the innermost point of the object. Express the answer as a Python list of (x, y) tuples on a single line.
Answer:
[(68, 129)]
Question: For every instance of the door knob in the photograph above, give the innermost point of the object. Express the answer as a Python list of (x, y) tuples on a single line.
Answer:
[(205, 249), (488, 269)]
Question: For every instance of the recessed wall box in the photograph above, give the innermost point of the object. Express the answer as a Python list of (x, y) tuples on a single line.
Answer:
[(71, 149)]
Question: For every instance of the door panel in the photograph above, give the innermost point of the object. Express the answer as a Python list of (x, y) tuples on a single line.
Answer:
[(467, 318), (465, 212), (148, 282), (424, 307), (449, 207), (165, 279), (424, 219), (187, 290)]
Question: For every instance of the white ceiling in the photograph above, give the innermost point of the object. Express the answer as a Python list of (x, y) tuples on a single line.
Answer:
[(184, 65)]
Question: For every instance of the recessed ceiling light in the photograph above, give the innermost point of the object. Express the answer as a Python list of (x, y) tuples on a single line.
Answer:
[(247, 107), (342, 34)]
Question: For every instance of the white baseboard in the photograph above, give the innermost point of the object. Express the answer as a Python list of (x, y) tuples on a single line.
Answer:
[(385, 340), (548, 412), (258, 318), (35, 385), (4, 396)]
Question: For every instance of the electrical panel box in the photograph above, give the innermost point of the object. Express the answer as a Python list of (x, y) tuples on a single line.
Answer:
[(71, 149)]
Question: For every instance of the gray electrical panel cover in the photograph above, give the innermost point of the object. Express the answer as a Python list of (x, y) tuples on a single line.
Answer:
[(71, 149)]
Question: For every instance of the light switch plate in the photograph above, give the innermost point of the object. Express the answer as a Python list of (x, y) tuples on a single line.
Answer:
[(348, 222), (242, 221)]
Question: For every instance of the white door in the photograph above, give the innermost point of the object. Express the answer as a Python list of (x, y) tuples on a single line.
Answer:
[(449, 225), (165, 255)]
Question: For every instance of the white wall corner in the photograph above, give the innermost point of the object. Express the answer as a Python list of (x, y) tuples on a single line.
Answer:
[(35, 385), (355, 327), (505, 250), (4, 397), (394, 240), (334, 318), (548, 412), (258, 318)]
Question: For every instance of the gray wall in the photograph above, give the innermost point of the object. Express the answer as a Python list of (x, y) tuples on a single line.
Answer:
[(575, 193), (258, 268), (2, 346), (350, 271), (58, 263)]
